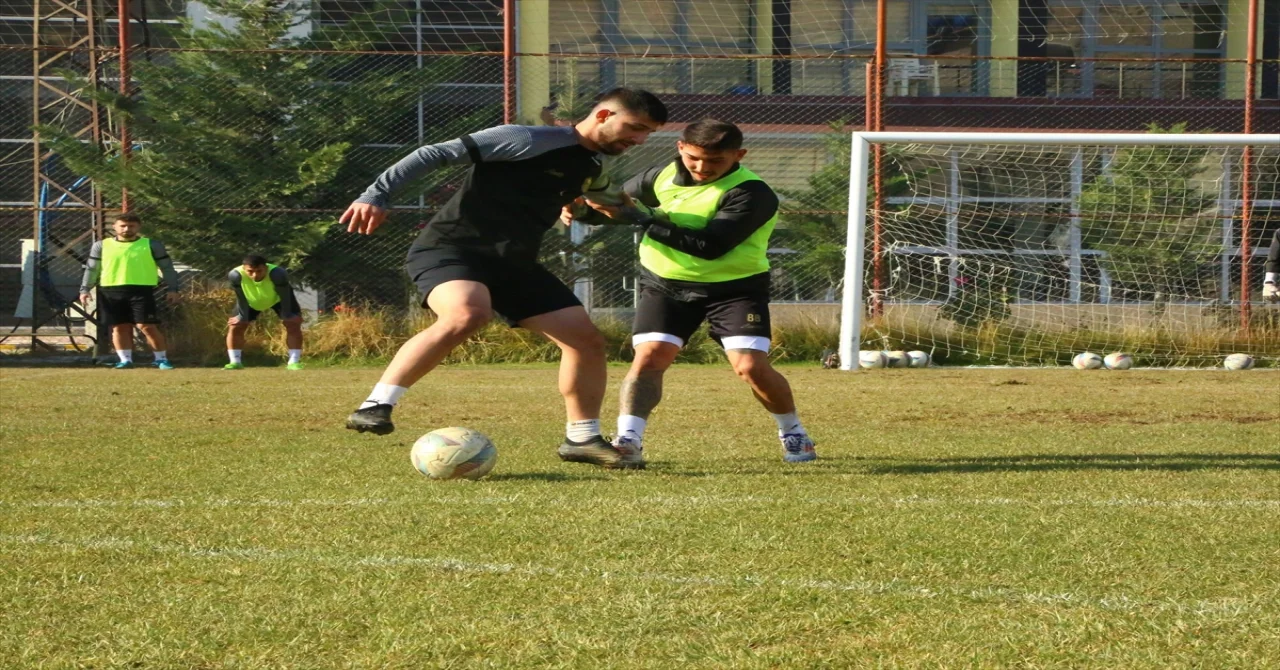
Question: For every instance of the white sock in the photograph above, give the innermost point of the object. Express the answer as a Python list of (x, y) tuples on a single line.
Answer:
[(582, 431), (788, 423), (631, 427), (295, 355), (161, 356), (126, 355), (384, 394), (234, 355)]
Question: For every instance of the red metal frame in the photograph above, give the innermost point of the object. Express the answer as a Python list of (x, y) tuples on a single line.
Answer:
[(877, 266), (1246, 175), (126, 146)]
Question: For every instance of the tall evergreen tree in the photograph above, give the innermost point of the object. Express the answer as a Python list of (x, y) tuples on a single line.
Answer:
[(251, 139)]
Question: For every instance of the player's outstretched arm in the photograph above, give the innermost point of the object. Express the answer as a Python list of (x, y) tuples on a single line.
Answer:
[(503, 143), (363, 218)]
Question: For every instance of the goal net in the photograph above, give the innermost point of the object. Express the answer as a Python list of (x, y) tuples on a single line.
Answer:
[(1026, 248)]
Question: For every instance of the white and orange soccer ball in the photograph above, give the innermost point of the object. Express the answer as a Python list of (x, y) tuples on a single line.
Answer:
[(454, 453)]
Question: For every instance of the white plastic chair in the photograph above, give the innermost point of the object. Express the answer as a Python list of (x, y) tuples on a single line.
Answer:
[(904, 71)]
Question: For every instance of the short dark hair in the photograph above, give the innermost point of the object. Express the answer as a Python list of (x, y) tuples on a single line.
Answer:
[(637, 101), (713, 135), (125, 216), (254, 261)]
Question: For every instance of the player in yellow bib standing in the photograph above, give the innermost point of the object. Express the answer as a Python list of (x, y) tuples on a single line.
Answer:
[(260, 286), (126, 267), (703, 257)]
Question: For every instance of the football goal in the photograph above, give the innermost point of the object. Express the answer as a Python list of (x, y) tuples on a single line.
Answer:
[(1026, 248)]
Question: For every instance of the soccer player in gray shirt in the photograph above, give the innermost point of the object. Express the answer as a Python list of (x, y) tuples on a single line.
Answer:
[(479, 255)]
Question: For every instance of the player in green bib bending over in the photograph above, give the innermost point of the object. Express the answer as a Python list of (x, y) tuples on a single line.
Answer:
[(126, 268), (708, 220), (260, 286)]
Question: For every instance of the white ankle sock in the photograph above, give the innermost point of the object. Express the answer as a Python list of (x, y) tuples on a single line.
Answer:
[(295, 355), (788, 423), (581, 431), (161, 356), (235, 355), (384, 394), (126, 356), (631, 427)]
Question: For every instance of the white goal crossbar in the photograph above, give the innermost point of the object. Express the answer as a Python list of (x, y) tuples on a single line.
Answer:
[(851, 313)]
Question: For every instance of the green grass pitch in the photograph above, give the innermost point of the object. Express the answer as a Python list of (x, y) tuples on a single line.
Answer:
[(957, 518)]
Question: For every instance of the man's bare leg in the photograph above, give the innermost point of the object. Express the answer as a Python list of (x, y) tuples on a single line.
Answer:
[(582, 379), (774, 393), (640, 393), (462, 307), (122, 340)]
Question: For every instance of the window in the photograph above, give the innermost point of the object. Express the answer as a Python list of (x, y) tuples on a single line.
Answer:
[(674, 38), (1144, 32), (946, 35)]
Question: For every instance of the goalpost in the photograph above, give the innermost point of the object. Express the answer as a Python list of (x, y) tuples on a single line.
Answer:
[(1024, 248)]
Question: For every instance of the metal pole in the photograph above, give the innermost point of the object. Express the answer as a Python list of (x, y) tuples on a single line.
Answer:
[(422, 116), (1075, 267), (855, 236), (1246, 190), (508, 60), (126, 145), (877, 280), (869, 121), (36, 160)]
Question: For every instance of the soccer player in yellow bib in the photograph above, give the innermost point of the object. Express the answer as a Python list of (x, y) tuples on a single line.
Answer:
[(126, 267), (260, 286), (707, 222)]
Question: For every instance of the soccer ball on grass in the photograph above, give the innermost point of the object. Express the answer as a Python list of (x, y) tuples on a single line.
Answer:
[(1118, 361), (454, 453), (1238, 362), (1087, 361)]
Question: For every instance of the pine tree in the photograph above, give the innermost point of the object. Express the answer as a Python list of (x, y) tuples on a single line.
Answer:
[(251, 141)]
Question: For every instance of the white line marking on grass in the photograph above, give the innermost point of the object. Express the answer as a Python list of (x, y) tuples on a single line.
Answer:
[(1221, 606), (666, 500)]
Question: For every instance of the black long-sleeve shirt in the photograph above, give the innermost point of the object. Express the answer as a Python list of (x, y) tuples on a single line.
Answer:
[(742, 211)]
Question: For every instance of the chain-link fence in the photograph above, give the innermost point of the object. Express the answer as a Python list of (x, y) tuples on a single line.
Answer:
[(251, 135)]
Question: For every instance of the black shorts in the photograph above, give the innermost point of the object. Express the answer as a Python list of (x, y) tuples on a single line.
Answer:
[(128, 304), (738, 312), (278, 308), (518, 291)]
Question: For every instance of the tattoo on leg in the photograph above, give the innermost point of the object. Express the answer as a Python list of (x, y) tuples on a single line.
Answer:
[(640, 393)]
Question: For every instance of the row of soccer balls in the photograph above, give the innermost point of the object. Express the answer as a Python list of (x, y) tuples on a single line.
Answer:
[(1088, 360), (1122, 361), (893, 359)]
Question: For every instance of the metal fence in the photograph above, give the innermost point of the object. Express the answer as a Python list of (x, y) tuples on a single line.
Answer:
[(241, 144)]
